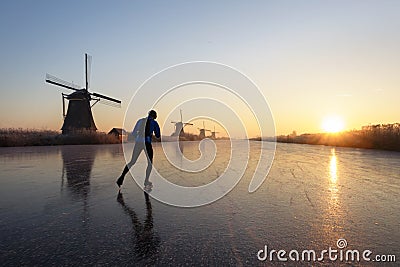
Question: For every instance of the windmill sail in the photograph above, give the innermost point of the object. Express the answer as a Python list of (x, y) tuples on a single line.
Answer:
[(88, 70), (57, 81), (106, 98)]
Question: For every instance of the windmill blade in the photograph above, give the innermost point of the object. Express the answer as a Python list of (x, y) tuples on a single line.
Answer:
[(106, 98), (109, 103), (173, 122), (63, 104), (57, 81), (186, 124), (88, 70)]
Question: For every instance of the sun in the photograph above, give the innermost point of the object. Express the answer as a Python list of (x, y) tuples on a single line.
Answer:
[(332, 124)]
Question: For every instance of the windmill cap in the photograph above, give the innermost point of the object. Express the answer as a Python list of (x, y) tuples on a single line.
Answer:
[(153, 114)]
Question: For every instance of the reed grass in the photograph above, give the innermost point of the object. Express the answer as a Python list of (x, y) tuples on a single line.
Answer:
[(379, 136), (32, 137)]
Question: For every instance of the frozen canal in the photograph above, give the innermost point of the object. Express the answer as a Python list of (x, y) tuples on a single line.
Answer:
[(59, 206)]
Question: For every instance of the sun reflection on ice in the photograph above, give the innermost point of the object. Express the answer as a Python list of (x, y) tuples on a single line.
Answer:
[(333, 178), (333, 218), (334, 214), (333, 167)]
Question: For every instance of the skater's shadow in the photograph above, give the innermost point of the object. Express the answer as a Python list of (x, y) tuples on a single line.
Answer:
[(146, 241)]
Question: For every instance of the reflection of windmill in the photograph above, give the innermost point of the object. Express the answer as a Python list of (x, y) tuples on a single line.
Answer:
[(77, 167), (203, 130), (179, 126), (213, 134), (79, 114)]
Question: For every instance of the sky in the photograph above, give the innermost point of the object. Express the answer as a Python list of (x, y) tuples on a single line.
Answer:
[(310, 59)]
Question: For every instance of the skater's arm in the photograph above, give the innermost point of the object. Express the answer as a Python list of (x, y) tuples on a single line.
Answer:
[(157, 130), (136, 129)]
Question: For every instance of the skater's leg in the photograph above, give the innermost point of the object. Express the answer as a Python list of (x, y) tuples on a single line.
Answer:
[(135, 154), (120, 180), (149, 154)]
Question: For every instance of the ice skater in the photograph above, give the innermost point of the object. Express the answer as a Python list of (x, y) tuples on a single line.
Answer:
[(143, 133)]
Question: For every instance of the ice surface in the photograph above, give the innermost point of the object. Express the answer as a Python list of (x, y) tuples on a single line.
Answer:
[(59, 206)]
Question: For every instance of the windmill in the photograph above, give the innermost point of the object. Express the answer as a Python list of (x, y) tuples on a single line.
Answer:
[(203, 130), (213, 134), (79, 114), (179, 126)]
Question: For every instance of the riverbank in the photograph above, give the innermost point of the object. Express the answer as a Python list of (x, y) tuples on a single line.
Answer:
[(380, 136), (31, 137)]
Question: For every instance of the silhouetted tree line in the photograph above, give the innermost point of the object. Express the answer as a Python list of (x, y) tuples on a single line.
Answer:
[(379, 136)]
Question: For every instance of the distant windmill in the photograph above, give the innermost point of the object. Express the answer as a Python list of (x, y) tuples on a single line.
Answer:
[(79, 114), (179, 126), (213, 134), (203, 130)]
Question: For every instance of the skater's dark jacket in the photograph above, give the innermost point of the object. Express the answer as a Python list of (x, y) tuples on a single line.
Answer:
[(144, 130)]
